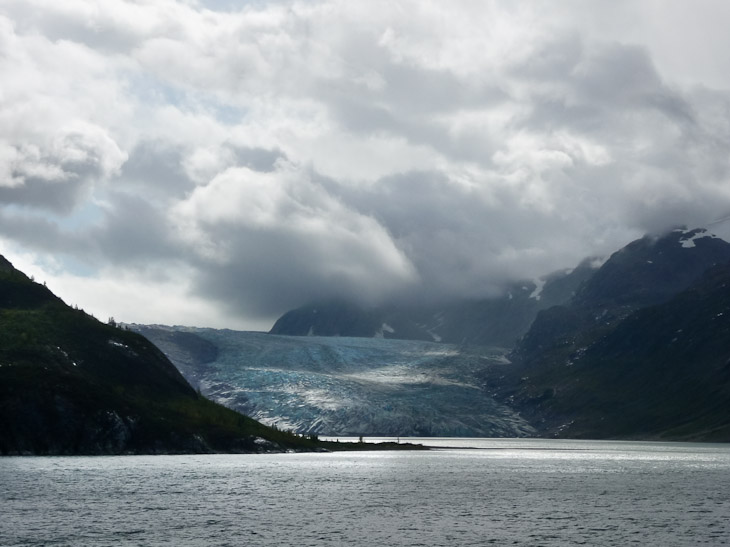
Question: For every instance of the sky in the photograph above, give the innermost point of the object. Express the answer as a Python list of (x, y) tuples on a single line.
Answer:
[(218, 162)]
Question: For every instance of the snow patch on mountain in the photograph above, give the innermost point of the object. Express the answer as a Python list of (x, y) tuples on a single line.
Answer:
[(596, 262), (438, 323), (385, 327), (689, 242), (539, 285)]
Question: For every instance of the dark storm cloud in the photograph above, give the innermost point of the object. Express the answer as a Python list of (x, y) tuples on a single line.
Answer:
[(35, 232), (408, 101), (463, 239), (258, 159), (134, 231), (285, 271), (281, 238), (55, 195), (595, 90), (157, 167), (128, 232), (59, 176), (273, 153)]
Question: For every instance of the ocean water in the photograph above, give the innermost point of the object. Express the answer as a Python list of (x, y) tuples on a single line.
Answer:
[(466, 492)]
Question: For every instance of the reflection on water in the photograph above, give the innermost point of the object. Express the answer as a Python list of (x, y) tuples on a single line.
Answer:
[(567, 449), (502, 492)]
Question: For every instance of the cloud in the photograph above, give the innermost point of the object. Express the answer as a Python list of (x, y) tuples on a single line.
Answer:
[(284, 234), (252, 156), (58, 174)]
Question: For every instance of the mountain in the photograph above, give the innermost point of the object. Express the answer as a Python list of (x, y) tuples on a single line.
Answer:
[(638, 348), (498, 321), (646, 272), (72, 385), (344, 386), (641, 351)]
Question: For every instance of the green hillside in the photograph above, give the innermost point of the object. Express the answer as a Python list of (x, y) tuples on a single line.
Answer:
[(70, 384)]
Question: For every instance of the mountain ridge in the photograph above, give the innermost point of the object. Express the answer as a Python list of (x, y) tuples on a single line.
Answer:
[(647, 360), (637, 348), (497, 321), (601, 364)]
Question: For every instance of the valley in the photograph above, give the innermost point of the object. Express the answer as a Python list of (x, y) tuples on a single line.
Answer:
[(344, 385), (631, 347)]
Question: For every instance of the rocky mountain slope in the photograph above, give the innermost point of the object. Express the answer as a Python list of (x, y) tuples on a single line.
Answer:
[(642, 350), (72, 385)]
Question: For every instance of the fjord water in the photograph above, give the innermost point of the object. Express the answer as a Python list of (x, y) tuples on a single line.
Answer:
[(503, 492)]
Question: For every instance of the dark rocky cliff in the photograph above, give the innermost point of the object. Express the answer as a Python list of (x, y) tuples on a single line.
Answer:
[(642, 351)]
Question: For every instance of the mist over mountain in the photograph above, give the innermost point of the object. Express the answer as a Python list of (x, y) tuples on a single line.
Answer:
[(496, 321), (264, 155), (407, 170), (641, 351), (635, 346), (631, 347)]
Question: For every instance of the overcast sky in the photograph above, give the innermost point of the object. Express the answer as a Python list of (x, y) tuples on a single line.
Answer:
[(216, 163)]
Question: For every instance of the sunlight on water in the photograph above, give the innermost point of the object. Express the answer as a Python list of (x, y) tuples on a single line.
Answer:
[(500, 491)]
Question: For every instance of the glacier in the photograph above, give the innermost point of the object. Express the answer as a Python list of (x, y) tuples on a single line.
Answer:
[(341, 386)]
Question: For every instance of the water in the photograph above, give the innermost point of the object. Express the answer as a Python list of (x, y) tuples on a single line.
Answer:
[(503, 492)]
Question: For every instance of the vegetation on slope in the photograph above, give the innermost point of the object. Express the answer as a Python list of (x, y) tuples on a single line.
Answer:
[(70, 384)]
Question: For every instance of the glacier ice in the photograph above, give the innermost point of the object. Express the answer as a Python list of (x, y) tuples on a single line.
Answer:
[(352, 386)]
